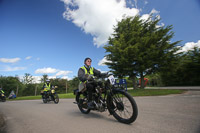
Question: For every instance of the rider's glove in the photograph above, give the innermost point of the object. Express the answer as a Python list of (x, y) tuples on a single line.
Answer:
[(90, 77)]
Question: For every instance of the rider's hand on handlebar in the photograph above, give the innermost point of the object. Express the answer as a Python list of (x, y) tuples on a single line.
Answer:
[(90, 78), (104, 75)]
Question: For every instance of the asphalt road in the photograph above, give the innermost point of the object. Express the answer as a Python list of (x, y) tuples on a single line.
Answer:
[(157, 114), (176, 87)]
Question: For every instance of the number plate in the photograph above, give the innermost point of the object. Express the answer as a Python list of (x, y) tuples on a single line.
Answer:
[(112, 79)]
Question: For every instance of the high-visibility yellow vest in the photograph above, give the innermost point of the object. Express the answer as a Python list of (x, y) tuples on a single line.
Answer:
[(2, 91), (48, 87), (91, 72)]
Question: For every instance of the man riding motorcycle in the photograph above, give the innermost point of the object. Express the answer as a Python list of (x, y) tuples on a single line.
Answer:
[(47, 86), (2, 95), (1, 91), (86, 73)]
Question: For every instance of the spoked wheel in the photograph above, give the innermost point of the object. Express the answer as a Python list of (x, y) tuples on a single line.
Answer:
[(82, 103), (3, 99), (56, 98), (123, 107), (44, 99)]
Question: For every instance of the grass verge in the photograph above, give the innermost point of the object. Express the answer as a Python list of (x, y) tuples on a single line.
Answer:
[(68, 95), (154, 92), (137, 92)]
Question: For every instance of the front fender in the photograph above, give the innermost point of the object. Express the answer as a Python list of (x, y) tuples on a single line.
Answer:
[(117, 90)]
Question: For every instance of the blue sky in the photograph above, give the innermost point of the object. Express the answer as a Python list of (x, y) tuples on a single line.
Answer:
[(54, 36)]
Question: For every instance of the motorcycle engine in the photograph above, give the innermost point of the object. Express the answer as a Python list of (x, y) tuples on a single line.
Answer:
[(100, 107)]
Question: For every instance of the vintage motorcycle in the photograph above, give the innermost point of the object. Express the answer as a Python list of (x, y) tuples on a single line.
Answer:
[(2, 97), (106, 95), (50, 95)]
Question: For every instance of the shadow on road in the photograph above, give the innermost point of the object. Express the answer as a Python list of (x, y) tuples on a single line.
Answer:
[(2, 124), (92, 115)]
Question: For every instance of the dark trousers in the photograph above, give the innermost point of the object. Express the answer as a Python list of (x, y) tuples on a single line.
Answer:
[(90, 89)]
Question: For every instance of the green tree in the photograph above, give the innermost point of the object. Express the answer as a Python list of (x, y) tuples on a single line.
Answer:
[(29, 87), (11, 83), (191, 66), (28, 78), (184, 70), (44, 78), (73, 84), (61, 83), (139, 47)]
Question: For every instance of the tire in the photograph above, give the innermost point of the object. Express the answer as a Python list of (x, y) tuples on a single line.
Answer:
[(3, 99), (82, 103), (122, 106), (44, 99), (56, 98)]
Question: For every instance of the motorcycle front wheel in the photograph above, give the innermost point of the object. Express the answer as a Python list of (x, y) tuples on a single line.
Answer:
[(82, 103), (44, 99), (3, 99), (122, 106)]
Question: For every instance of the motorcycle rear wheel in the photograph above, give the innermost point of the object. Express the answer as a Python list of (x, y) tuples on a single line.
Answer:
[(82, 103)]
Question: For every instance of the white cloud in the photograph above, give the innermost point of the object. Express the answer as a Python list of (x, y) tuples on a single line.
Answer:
[(63, 73), (36, 79), (46, 70), (101, 62), (8, 68), (189, 46), (56, 73), (37, 59), (102, 71), (97, 17), (66, 77), (145, 16), (52, 77), (28, 57), (9, 60), (154, 11)]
